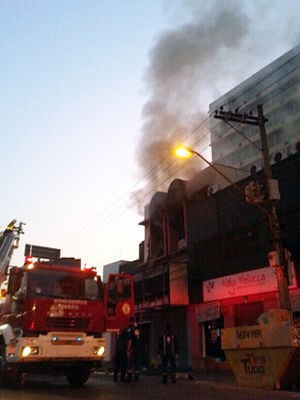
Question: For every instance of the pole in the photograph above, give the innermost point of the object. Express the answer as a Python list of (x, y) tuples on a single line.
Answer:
[(282, 268)]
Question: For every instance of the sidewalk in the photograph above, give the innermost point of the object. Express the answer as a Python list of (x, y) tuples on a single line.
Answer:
[(216, 376), (221, 377), (226, 378)]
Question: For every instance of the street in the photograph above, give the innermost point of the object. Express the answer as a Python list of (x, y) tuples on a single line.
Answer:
[(149, 388)]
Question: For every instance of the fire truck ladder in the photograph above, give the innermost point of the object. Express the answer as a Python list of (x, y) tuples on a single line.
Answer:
[(9, 241)]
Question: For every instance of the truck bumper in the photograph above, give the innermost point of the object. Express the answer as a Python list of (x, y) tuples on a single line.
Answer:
[(56, 349)]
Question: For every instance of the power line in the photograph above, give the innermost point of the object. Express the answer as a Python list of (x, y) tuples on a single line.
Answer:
[(252, 99), (97, 220), (92, 224)]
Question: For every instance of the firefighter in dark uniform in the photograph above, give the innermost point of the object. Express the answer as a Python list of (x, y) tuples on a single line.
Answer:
[(167, 351), (133, 350), (120, 356)]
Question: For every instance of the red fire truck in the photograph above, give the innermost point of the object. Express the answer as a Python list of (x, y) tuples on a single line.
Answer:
[(54, 315)]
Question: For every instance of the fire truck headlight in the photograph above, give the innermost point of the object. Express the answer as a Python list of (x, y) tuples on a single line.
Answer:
[(30, 351), (99, 351)]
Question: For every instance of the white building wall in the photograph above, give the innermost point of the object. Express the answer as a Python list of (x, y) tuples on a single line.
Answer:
[(112, 268), (277, 88)]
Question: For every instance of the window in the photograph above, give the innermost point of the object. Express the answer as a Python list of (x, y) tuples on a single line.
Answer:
[(62, 285)]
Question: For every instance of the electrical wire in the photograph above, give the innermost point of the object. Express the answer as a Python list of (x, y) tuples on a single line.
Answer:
[(266, 102), (265, 77), (86, 229), (90, 227)]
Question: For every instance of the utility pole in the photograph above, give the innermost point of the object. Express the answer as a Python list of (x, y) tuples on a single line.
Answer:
[(272, 197)]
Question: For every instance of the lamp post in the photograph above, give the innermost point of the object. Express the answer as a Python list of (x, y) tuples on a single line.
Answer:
[(186, 152)]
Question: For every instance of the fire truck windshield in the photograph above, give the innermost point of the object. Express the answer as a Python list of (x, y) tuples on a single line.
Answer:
[(62, 285)]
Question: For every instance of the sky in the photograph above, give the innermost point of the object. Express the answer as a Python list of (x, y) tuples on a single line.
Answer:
[(95, 93)]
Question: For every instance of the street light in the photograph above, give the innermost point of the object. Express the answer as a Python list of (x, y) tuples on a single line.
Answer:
[(281, 267), (184, 152)]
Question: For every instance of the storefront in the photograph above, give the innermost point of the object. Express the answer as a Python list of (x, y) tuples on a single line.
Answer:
[(233, 300)]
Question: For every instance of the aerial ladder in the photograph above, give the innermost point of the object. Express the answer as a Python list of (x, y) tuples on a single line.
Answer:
[(9, 241)]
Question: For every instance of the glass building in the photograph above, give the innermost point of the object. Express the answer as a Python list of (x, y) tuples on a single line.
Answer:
[(277, 88)]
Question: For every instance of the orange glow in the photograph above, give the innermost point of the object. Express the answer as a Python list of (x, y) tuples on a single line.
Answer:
[(183, 152), (29, 262)]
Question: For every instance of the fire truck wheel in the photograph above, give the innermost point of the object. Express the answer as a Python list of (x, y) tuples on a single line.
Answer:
[(79, 375), (15, 381)]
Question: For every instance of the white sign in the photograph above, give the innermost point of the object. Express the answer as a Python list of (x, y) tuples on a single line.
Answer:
[(207, 311), (249, 282)]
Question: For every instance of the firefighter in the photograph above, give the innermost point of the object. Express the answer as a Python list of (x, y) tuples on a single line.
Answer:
[(133, 348), (167, 352), (120, 356)]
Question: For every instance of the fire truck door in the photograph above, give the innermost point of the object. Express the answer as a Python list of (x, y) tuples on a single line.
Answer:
[(118, 301)]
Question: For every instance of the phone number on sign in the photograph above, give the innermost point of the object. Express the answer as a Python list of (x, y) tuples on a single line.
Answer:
[(249, 334)]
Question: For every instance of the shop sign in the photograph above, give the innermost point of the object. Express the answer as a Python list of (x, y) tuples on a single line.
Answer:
[(249, 282), (207, 311)]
